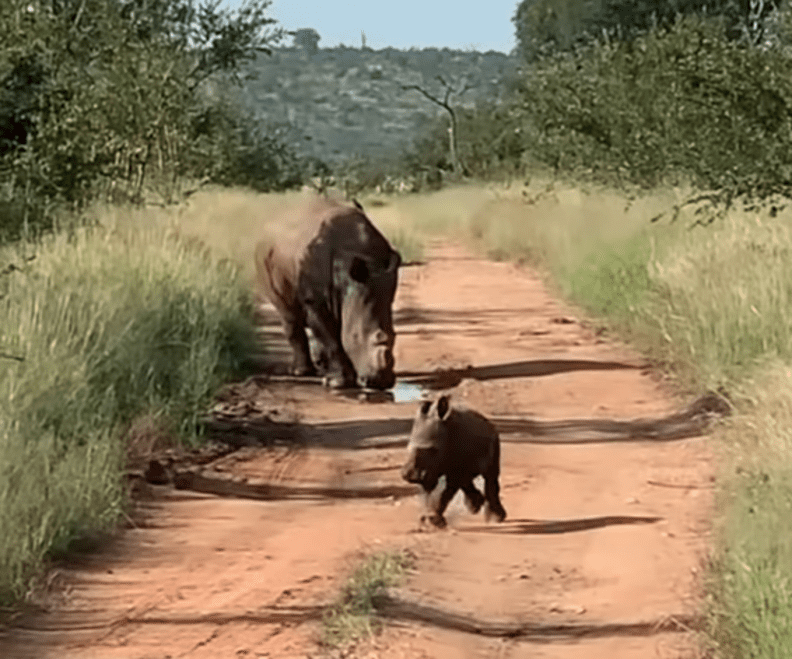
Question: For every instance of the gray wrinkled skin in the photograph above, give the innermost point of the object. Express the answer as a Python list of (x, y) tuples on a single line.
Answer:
[(336, 274), (460, 444)]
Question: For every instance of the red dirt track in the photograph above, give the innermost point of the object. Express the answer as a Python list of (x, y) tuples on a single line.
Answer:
[(598, 558)]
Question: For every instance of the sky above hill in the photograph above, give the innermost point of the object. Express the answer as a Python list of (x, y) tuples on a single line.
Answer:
[(405, 24)]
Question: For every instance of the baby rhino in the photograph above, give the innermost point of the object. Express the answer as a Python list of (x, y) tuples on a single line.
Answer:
[(459, 444)]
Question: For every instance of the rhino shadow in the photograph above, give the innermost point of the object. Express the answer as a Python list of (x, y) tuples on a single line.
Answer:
[(542, 527)]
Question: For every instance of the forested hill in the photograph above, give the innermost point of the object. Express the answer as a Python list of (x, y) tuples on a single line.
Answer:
[(347, 101)]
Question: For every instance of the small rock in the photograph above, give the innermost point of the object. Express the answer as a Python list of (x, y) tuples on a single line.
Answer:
[(632, 500)]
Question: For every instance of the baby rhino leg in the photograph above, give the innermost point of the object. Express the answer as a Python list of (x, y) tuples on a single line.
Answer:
[(494, 506), (473, 498), (436, 517)]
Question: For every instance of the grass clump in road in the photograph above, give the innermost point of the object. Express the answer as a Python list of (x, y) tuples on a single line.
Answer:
[(353, 615), (99, 327)]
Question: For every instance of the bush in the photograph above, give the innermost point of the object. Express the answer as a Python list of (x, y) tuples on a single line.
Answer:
[(231, 147)]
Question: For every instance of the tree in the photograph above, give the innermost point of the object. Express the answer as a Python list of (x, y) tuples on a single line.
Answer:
[(543, 26), (111, 88), (307, 39), (551, 25), (449, 90)]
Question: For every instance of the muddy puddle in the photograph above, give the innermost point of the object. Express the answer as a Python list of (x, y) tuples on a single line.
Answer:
[(402, 392)]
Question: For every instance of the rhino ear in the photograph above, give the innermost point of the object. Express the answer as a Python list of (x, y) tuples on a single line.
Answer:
[(443, 407), (358, 270), (357, 204), (425, 407), (395, 261)]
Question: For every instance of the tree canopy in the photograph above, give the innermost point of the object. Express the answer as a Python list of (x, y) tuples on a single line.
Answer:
[(104, 94), (545, 26)]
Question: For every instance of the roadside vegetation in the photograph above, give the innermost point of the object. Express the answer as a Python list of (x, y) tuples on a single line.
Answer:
[(100, 328)]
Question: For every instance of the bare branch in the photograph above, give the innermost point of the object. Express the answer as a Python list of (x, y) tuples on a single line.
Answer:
[(432, 98)]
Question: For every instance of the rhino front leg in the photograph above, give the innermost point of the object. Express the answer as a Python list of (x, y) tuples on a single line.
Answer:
[(437, 518), (338, 369)]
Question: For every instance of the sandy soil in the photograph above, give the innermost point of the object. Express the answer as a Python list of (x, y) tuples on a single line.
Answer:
[(599, 556)]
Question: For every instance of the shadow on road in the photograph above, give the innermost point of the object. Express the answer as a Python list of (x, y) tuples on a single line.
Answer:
[(419, 612), (540, 527), (446, 379), (692, 421)]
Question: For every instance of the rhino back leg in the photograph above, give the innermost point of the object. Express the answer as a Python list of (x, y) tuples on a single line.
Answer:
[(294, 328), (473, 497), (339, 370), (492, 495)]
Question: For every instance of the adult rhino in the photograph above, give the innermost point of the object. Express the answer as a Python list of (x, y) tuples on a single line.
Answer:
[(330, 269)]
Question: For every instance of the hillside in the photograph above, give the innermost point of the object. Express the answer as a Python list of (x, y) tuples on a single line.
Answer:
[(349, 101)]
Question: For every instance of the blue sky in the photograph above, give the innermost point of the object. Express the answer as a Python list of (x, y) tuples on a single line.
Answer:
[(403, 24)]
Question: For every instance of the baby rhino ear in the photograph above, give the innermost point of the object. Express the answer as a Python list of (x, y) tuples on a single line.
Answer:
[(443, 407)]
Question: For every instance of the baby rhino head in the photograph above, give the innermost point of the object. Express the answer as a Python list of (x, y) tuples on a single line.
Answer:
[(426, 451)]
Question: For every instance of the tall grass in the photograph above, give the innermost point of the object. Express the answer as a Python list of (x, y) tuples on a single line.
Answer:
[(100, 327), (750, 581)]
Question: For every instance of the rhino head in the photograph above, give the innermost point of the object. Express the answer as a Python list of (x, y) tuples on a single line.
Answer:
[(428, 441), (367, 333)]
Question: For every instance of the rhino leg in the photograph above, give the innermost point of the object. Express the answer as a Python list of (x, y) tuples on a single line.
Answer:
[(294, 328), (339, 370), (473, 498), (436, 518), (494, 506)]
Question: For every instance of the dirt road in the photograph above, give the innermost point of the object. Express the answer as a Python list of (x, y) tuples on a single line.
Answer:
[(598, 558)]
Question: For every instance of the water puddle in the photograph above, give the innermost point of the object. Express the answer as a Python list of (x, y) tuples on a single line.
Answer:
[(407, 392), (402, 392)]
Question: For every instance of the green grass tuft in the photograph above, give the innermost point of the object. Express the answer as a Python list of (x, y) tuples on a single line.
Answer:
[(353, 615)]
